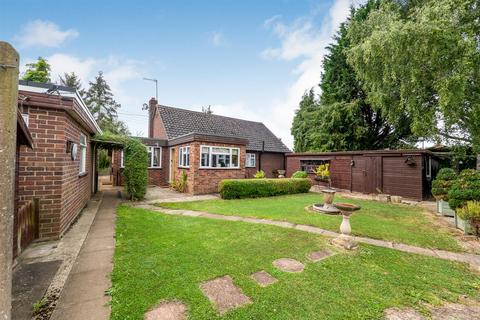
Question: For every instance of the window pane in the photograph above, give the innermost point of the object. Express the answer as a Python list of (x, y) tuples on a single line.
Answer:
[(221, 150), (205, 149), (234, 160), (205, 159), (235, 152), (149, 152), (156, 157), (215, 162)]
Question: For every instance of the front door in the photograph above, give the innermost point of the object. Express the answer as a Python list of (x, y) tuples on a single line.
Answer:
[(171, 174)]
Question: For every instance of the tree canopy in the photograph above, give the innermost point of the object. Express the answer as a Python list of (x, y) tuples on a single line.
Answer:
[(421, 59), (342, 118), (38, 71), (102, 105)]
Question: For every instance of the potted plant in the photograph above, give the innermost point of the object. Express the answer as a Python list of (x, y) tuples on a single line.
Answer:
[(440, 187), (470, 213), (464, 189), (322, 173)]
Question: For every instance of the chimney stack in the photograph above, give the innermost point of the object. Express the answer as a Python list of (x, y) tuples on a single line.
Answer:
[(152, 108)]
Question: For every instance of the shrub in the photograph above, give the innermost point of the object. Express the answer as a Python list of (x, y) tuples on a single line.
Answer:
[(465, 188), (323, 171), (180, 184), (136, 169), (442, 183), (255, 188), (299, 175), (260, 175), (470, 211)]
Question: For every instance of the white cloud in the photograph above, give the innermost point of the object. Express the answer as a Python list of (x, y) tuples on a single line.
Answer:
[(218, 39), (303, 41), (43, 33)]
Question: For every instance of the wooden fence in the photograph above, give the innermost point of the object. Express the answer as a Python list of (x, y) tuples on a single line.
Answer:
[(25, 226)]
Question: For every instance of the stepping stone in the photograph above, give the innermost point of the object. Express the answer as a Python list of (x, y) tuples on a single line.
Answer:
[(263, 278), (319, 255), (455, 311), (167, 310), (224, 295), (288, 265), (402, 314)]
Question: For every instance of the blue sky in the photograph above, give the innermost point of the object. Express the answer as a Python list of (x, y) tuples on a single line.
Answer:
[(247, 59)]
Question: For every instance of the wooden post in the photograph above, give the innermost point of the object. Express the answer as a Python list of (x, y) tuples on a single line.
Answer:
[(8, 137)]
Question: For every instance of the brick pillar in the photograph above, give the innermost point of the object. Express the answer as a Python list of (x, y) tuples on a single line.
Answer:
[(8, 135), (152, 105)]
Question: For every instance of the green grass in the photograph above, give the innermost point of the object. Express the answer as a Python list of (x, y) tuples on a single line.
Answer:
[(399, 223), (160, 257)]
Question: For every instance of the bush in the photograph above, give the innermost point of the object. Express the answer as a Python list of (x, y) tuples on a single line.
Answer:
[(136, 169), (442, 183), (470, 211), (255, 188), (260, 175), (465, 188), (299, 175), (180, 184)]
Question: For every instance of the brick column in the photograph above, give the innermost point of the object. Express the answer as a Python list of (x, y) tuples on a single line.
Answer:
[(8, 135)]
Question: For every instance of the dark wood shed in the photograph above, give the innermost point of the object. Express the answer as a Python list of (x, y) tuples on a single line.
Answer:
[(406, 173)]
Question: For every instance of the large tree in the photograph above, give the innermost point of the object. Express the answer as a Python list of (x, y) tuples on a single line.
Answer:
[(38, 71), (422, 58), (100, 101), (343, 119)]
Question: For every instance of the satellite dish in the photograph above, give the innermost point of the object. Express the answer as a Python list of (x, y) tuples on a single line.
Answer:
[(73, 151)]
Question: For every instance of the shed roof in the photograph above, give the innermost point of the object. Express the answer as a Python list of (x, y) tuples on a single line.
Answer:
[(180, 122)]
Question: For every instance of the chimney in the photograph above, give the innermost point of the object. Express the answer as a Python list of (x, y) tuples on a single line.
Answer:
[(152, 108)]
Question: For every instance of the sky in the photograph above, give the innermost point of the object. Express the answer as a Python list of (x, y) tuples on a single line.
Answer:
[(248, 59)]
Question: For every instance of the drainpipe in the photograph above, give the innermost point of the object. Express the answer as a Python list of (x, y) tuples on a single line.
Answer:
[(8, 137)]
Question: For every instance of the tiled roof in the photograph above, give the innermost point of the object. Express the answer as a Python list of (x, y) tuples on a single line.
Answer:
[(179, 122)]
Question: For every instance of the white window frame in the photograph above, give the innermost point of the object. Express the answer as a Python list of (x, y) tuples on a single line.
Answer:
[(428, 169), (181, 152), (210, 153), (83, 154), (152, 149), (248, 160)]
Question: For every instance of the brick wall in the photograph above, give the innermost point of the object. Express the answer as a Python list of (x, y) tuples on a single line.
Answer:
[(271, 162), (202, 181), (47, 172)]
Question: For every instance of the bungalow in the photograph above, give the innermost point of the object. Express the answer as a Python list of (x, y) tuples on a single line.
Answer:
[(54, 176), (207, 147)]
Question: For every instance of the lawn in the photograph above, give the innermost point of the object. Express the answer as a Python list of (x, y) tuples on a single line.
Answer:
[(378, 220), (161, 257)]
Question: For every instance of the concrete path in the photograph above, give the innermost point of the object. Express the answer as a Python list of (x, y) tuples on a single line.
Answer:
[(83, 296), (472, 259)]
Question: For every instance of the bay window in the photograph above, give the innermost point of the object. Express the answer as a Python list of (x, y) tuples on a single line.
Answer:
[(250, 160), (219, 157), (184, 157)]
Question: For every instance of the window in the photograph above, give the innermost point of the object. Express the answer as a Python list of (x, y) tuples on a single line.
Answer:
[(428, 167), (83, 154), (184, 157), (309, 166), (219, 157), (154, 155), (250, 160), (121, 159)]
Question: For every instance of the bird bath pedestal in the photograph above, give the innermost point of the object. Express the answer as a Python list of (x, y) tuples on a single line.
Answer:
[(327, 206), (345, 240)]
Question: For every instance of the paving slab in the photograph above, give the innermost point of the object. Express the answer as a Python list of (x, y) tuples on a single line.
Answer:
[(223, 294), (29, 284), (167, 310), (319, 255), (456, 311), (263, 278), (402, 314), (289, 265)]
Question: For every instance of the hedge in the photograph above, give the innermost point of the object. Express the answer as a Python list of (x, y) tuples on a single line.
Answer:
[(465, 188), (136, 168), (442, 183), (255, 188)]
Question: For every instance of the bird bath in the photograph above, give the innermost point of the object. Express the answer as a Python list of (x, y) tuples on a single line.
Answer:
[(328, 206), (345, 240)]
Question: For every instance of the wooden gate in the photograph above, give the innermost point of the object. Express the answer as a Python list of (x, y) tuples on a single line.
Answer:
[(366, 174), (25, 226)]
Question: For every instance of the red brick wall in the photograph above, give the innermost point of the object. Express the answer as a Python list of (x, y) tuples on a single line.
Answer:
[(48, 173), (271, 162), (206, 180)]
